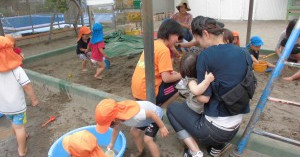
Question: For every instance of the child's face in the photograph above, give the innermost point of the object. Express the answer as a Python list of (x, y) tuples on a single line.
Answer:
[(85, 36), (173, 39), (255, 48)]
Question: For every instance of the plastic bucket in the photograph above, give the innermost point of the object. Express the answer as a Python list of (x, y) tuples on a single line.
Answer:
[(260, 67), (57, 150)]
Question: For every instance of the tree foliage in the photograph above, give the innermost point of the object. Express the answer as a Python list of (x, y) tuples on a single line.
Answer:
[(59, 6)]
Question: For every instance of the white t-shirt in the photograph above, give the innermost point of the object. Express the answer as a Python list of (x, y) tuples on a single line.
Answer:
[(140, 119), (226, 123), (12, 99)]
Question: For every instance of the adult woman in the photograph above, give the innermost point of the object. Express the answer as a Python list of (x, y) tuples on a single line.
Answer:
[(215, 127), (165, 77), (184, 19)]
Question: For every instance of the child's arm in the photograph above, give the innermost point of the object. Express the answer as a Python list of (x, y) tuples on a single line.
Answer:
[(201, 87), (29, 91), (83, 50), (254, 59), (169, 77), (114, 136), (103, 53), (162, 128)]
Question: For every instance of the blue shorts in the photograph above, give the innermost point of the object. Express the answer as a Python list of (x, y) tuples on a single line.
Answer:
[(17, 119)]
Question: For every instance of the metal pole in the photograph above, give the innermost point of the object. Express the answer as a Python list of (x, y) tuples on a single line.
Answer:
[(267, 91), (277, 137), (148, 50), (250, 14), (1, 27)]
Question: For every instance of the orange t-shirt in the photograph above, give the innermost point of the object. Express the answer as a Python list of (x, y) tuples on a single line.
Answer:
[(162, 63)]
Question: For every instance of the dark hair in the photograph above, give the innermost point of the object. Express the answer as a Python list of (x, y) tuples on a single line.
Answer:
[(188, 65), (290, 28), (169, 27), (227, 36), (211, 25)]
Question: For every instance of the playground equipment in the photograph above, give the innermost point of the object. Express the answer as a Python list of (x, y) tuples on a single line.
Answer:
[(57, 149), (265, 97)]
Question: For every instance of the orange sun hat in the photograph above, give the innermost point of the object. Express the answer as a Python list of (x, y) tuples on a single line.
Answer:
[(9, 60), (83, 30), (236, 34), (82, 144), (11, 38), (108, 110)]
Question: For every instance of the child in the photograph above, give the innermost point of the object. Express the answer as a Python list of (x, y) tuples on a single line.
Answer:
[(188, 87), (254, 48), (236, 38), (82, 144), (13, 80), (140, 115), (97, 45), (165, 76), (82, 46)]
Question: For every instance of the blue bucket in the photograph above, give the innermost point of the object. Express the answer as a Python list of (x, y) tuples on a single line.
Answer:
[(103, 140)]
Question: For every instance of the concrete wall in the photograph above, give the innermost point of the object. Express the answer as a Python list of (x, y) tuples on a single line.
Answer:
[(163, 5), (238, 9)]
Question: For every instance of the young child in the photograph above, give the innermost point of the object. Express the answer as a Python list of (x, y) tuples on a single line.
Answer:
[(82, 46), (188, 87), (13, 80), (254, 48), (97, 46), (236, 38), (140, 115), (82, 144)]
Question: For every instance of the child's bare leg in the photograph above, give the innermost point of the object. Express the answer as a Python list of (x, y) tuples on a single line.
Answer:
[(296, 76), (152, 146), (21, 138), (138, 140), (170, 100), (100, 69), (84, 65)]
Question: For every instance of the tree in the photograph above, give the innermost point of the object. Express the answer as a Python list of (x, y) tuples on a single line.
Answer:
[(61, 6)]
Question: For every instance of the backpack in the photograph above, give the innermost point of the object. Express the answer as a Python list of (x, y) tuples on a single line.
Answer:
[(238, 98)]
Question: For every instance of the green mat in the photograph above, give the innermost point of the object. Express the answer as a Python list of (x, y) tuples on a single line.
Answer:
[(117, 44)]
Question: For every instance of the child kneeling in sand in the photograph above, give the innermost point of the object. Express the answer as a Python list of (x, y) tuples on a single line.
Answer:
[(188, 87), (139, 115), (13, 80), (82, 144)]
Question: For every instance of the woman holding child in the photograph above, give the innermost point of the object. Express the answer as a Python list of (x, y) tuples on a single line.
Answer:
[(215, 126)]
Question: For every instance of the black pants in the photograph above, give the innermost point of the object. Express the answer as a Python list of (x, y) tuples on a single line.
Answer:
[(188, 123)]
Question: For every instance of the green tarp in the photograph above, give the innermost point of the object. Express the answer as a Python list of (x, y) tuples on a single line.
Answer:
[(117, 44)]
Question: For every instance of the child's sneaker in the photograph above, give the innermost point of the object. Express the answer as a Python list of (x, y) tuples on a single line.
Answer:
[(217, 152), (187, 153)]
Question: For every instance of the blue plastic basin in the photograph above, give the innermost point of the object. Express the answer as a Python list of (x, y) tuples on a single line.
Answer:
[(57, 149)]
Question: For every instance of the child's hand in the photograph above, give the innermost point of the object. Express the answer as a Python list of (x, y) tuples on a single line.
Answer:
[(163, 131), (35, 102), (209, 77), (110, 146)]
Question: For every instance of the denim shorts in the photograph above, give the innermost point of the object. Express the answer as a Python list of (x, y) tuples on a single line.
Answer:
[(17, 119)]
